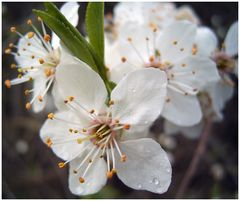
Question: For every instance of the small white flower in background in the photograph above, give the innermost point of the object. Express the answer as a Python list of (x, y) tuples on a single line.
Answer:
[(154, 14), (91, 132), (173, 51), (213, 97), (38, 57)]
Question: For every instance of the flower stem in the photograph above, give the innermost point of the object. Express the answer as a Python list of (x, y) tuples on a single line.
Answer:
[(195, 160)]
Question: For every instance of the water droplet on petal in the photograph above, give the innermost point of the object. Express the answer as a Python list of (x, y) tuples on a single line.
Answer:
[(155, 181), (139, 186)]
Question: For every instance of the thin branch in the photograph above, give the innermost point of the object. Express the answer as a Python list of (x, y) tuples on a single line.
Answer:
[(196, 158)]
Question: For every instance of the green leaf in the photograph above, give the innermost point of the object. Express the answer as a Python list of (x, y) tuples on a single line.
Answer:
[(95, 26)]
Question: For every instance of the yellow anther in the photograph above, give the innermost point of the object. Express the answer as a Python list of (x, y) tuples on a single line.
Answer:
[(30, 34), (123, 158), (13, 29), (129, 39), (79, 141), (81, 180), (194, 49), (7, 84), (154, 29), (175, 42), (70, 130), (158, 53), (127, 126), (20, 70), (48, 72), (61, 165), (28, 106), (123, 59), (183, 65), (151, 59), (75, 172), (30, 79), (47, 37), (49, 142), (84, 130), (111, 102), (29, 22), (117, 121), (92, 111), (39, 19), (114, 171), (26, 92), (8, 51), (13, 66), (32, 56), (90, 161), (75, 131), (40, 98), (19, 76), (50, 116), (41, 61), (109, 174), (70, 98), (28, 44), (10, 45)]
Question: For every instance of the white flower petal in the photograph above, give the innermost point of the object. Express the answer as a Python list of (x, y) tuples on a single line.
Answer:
[(70, 11), (121, 70), (146, 167), (206, 41), (58, 99), (220, 93), (178, 35), (231, 40), (191, 132), (39, 86), (26, 52), (55, 129), (139, 97), (76, 78), (198, 72), (95, 178), (183, 110)]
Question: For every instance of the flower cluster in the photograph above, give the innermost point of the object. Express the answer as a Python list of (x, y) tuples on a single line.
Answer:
[(162, 62)]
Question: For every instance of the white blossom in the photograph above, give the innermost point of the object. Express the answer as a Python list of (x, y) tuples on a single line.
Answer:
[(38, 57), (173, 51), (99, 140)]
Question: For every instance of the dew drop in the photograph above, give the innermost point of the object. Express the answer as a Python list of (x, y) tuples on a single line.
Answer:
[(139, 186), (155, 181)]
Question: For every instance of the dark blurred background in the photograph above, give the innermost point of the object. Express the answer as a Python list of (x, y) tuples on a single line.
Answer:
[(29, 168)]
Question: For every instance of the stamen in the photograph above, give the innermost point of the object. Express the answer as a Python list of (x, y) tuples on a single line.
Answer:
[(127, 126), (81, 180), (123, 158), (123, 59), (41, 61), (8, 51), (28, 106), (49, 142), (30, 34), (47, 37), (7, 84), (50, 116), (13, 29), (13, 66), (61, 165)]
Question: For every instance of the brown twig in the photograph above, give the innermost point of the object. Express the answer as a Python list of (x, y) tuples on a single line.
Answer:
[(196, 158)]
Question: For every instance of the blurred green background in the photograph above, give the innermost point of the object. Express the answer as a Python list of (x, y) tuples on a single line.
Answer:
[(29, 168)]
